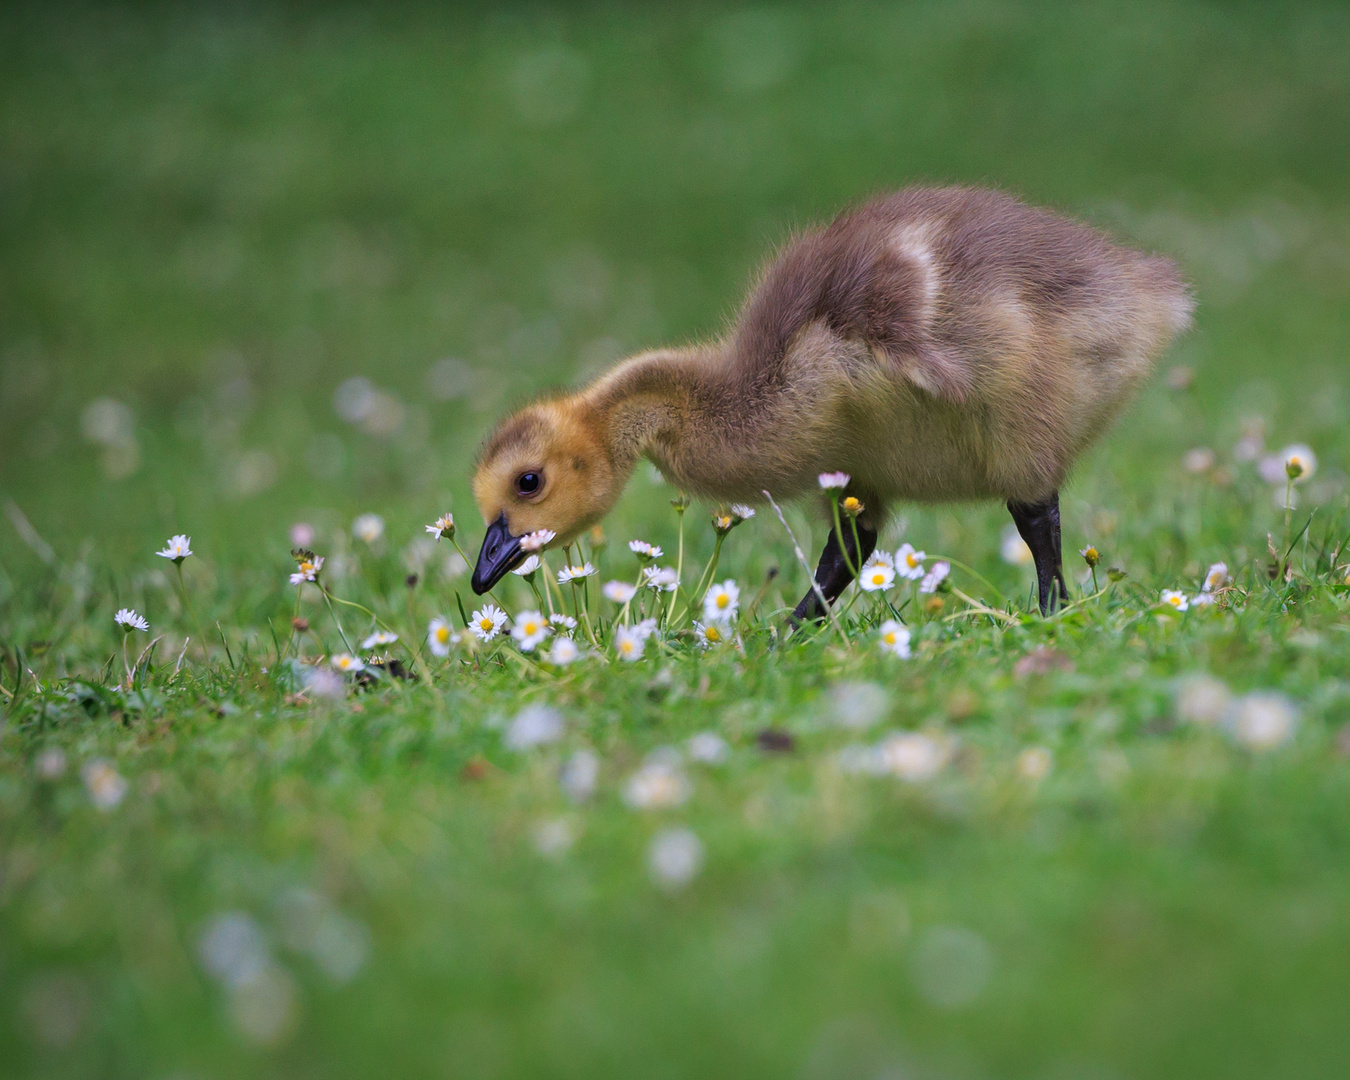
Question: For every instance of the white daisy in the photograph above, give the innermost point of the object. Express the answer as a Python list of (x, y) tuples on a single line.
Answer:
[(534, 725), (721, 602), (1175, 599), (178, 548), (528, 567), (709, 634), (1202, 699), (487, 622), (368, 528), (644, 550), (529, 630), (564, 651), (708, 747), (307, 569), (659, 785), (380, 637), (347, 663), (1300, 463), (441, 638), (646, 628), (566, 622), (579, 774), (1262, 720), (128, 620), (909, 563), (629, 643), (1034, 763), (1198, 460), (935, 577), (912, 756), (833, 481), (575, 573), (893, 637), (674, 858), (876, 573), (537, 540), (742, 512), (106, 786), (661, 578), (619, 591), (444, 526), (1216, 577)]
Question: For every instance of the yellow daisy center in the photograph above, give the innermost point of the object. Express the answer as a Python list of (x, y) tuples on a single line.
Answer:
[(531, 628), (486, 624), (890, 637), (723, 600), (711, 634), (442, 634), (911, 560), (878, 578)]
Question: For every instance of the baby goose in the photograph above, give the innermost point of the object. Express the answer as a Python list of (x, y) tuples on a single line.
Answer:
[(936, 344)]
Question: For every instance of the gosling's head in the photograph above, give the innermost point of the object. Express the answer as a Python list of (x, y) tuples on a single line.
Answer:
[(545, 467)]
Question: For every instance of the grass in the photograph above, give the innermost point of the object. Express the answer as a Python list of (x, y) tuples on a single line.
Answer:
[(211, 221)]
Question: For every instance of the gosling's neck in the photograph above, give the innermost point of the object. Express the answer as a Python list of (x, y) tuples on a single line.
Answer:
[(650, 404)]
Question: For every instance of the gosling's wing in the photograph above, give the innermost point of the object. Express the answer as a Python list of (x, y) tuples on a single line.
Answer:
[(866, 281)]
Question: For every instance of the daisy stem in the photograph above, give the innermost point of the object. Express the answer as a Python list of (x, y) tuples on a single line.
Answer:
[(535, 589), (182, 590), (978, 577), (637, 589), (342, 633), (705, 579), (851, 601), (1095, 587), (295, 616), (576, 613), (409, 639), (857, 544), (978, 608), (549, 585), (815, 585), (679, 561), (1288, 519), (126, 664), (839, 532), (586, 612), (469, 563), (520, 658)]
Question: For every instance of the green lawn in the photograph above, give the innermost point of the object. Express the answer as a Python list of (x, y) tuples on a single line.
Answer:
[(1106, 846)]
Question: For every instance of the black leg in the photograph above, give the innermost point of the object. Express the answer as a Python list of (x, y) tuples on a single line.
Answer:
[(833, 575), (1039, 525)]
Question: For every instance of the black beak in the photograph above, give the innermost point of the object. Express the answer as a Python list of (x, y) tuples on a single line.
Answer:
[(501, 551)]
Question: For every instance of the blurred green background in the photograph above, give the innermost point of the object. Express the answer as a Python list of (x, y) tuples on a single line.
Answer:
[(261, 265), (213, 217)]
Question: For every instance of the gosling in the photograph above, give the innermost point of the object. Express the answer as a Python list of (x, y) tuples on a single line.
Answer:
[(935, 344)]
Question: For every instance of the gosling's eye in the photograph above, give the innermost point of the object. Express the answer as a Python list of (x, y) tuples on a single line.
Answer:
[(528, 483)]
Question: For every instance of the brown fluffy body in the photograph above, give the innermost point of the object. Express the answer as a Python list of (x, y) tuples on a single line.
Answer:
[(937, 344)]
